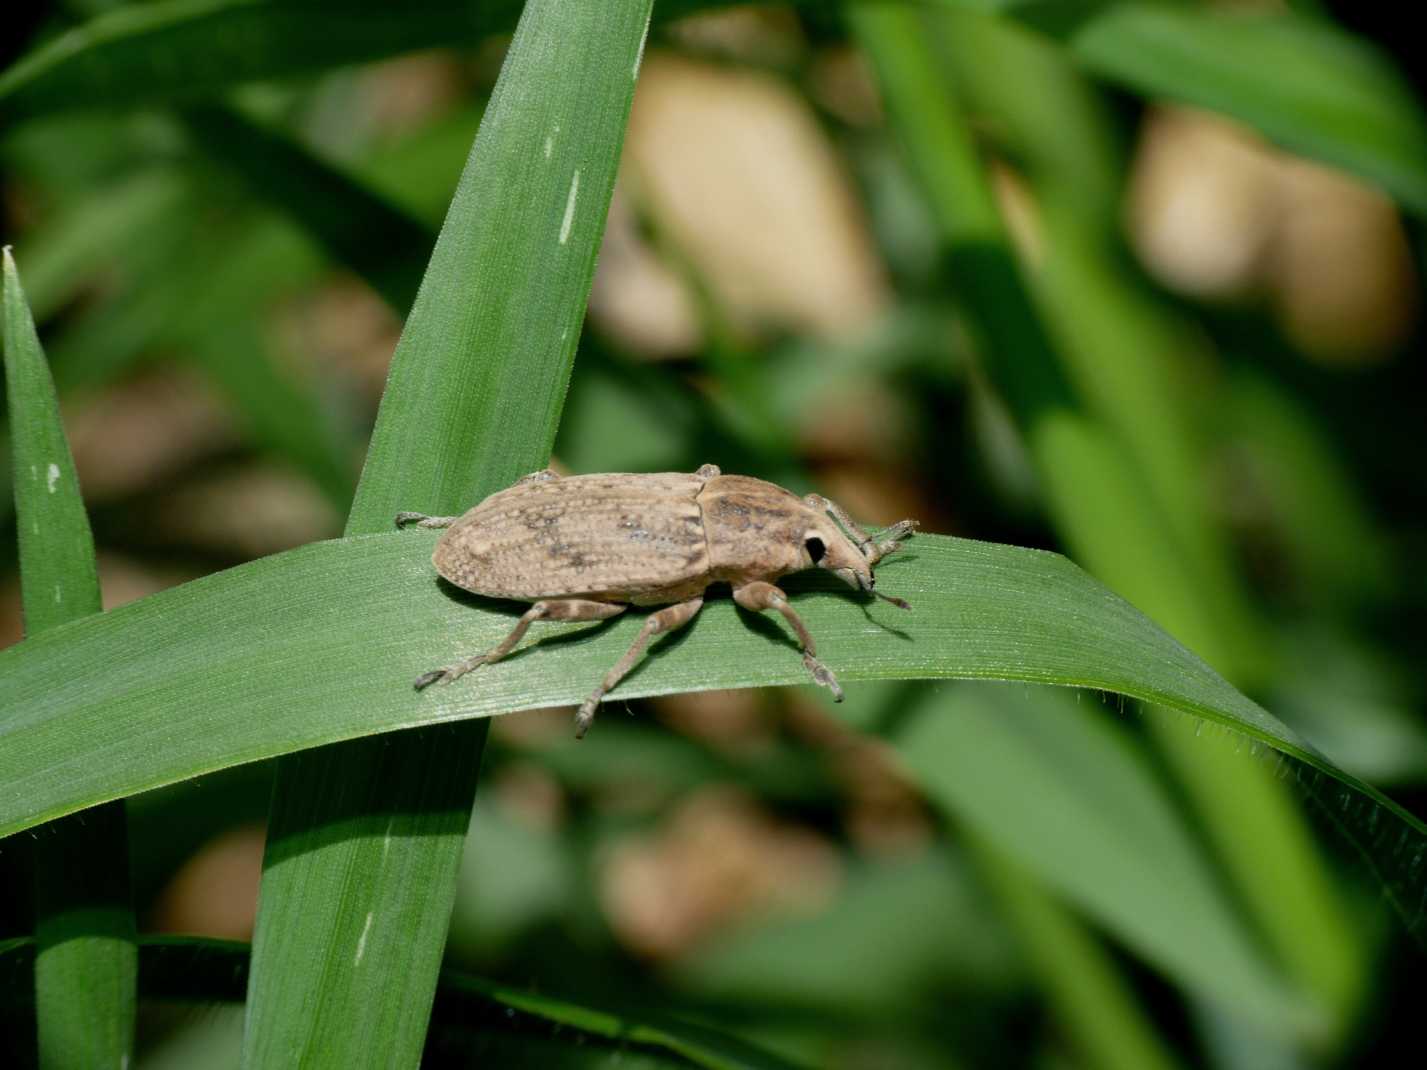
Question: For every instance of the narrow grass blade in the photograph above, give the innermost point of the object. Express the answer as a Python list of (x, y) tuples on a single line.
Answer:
[(84, 974), (191, 969), (365, 838)]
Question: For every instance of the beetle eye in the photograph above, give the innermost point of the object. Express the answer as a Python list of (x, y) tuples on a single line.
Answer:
[(815, 548)]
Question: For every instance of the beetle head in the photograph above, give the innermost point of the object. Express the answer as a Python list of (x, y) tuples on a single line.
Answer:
[(827, 546)]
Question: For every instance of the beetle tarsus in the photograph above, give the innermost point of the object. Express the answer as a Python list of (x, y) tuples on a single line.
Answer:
[(426, 679), (586, 715), (451, 672), (823, 675)]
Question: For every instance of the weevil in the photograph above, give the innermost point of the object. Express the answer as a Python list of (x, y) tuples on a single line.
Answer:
[(583, 548)]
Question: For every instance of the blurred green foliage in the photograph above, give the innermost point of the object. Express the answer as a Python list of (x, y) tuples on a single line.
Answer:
[(236, 196)]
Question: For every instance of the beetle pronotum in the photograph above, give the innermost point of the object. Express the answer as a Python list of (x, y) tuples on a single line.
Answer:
[(588, 547)]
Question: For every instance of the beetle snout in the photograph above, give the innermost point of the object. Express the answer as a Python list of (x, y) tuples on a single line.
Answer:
[(856, 578), (865, 582)]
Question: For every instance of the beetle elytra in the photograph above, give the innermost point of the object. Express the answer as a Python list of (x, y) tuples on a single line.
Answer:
[(584, 548)]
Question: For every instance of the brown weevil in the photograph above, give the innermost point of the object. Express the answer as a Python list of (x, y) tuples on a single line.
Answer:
[(589, 547)]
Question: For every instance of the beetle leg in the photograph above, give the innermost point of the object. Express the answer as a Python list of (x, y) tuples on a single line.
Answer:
[(668, 619), (758, 596), (421, 520), (545, 475), (550, 609), (708, 471)]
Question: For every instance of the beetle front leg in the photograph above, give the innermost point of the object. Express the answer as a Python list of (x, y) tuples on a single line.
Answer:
[(759, 596), (421, 520), (668, 619), (549, 609)]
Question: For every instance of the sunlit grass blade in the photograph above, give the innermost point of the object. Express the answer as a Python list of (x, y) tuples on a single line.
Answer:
[(358, 618), (1301, 81), (190, 969), (85, 966), (365, 838)]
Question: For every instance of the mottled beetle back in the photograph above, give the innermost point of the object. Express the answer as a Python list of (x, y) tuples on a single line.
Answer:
[(638, 540)]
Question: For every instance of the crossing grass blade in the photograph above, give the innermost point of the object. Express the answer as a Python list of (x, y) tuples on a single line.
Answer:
[(365, 838), (85, 970)]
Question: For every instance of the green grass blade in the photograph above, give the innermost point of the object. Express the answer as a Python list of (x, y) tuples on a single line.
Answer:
[(59, 581), (1301, 81), (85, 966), (365, 838), (190, 969), (359, 228), (322, 643)]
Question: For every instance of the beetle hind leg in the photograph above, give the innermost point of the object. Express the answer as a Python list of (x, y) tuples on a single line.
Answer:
[(572, 609), (760, 595), (669, 619)]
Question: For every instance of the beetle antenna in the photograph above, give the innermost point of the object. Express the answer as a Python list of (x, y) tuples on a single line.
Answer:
[(888, 540), (868, 546)]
